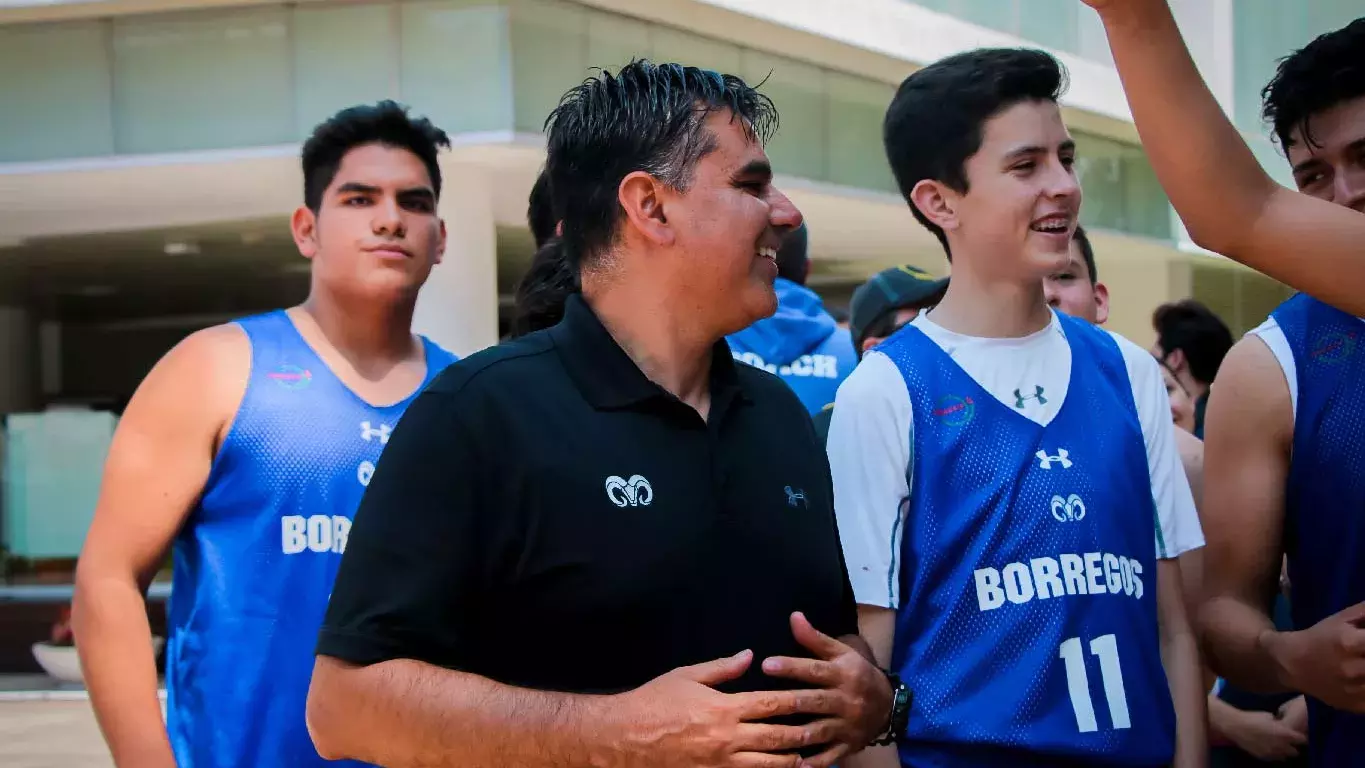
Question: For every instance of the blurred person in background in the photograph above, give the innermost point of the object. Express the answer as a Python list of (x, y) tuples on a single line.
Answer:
[(1076, 288), (880, 307), (1286, 436), (1191, 342), (538, 300), (246, 451), (801, 342)]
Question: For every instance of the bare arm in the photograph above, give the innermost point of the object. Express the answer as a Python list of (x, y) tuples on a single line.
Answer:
[(1227, 201), (409, 713), (157, 465), (1246, 462), (877, 626), (1180, 657)]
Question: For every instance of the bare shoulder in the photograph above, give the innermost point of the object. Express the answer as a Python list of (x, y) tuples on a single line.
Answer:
[(201, 379), (1250, 394)]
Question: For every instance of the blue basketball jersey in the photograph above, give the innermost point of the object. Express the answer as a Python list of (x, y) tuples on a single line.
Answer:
[(255, 561), (1325, 497), (1027, 627)]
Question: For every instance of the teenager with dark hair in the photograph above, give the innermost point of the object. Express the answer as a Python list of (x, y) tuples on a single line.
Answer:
[(1228, 202), (1191, 342), (801, 342), (578, 549), (1006, 481), (1286, 438), (1076, 288), (246, 450)]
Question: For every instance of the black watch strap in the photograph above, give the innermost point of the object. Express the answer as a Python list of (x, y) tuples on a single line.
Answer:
[(899, 720)]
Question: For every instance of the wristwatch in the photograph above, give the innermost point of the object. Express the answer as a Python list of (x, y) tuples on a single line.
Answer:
[(901, 696)]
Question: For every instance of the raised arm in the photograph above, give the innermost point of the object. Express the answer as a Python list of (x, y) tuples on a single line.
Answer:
[(1227, 201), (158, 463)]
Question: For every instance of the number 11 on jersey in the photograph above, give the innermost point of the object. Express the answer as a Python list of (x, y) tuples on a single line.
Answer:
[(1106, 649)]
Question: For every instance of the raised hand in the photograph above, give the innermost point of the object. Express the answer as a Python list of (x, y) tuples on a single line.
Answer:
[(861, 692), (679, 720)]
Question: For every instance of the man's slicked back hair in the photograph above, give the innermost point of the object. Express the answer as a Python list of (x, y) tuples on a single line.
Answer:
[(1326, 72), (645, 117), (937, 118), (386, 123)]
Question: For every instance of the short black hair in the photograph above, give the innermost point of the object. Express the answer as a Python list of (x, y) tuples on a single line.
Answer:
[(1195, 330), (1326, 72), (540, 215), (793, 258), (936, 120), (645, 117), (1087, 253), (541, 294), (386, 123)]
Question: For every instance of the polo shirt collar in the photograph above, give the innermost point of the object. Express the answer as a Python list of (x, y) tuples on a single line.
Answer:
[(606, 375)]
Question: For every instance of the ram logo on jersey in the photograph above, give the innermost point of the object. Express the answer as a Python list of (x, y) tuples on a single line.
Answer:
[(1093, 573), (814, 366), (1068, 510)]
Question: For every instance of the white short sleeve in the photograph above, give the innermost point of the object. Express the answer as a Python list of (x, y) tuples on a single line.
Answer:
[(1177, 530), (869, 458)]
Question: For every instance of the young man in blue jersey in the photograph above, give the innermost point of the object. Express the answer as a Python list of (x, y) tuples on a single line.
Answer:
[(1009, 495), (246, 450), (801, 342), (1285, 442)]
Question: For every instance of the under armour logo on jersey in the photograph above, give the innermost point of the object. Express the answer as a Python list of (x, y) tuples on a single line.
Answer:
[(1045, 461), (1068, 510), (629, 493), (368, 433), (795, 496), (1020, 397)]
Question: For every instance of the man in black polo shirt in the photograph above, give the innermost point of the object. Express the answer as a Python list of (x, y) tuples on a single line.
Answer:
[(606, 543)]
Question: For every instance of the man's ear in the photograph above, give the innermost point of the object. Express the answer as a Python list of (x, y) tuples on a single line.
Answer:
[(441, 244), (642, 198), (1175, 360), (937, 202), (304, 227), (1101, 303)]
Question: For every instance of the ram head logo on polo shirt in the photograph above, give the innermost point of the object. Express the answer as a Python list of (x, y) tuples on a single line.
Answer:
[(635, 492)]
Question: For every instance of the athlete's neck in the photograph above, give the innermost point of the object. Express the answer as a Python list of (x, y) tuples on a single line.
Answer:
[(372, 336), (991, 309), (651, 329)]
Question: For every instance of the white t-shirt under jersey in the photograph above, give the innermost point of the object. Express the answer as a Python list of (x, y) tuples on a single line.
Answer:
[(869, 441)]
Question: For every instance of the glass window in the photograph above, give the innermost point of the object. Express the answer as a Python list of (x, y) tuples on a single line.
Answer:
[(455, 65), (1051, 23), (1263, 31), (343, 55), (170, 88), (614, 41), (1121, 189), (550, 48), (800, 146), (856, 109), (55, 91), (674, 45)]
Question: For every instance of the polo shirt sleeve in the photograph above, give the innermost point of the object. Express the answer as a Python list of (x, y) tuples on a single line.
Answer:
[(409, 577), (869, 459), (1177, 521)]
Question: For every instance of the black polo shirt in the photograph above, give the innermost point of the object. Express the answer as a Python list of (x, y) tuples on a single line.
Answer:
[(546, 516)]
